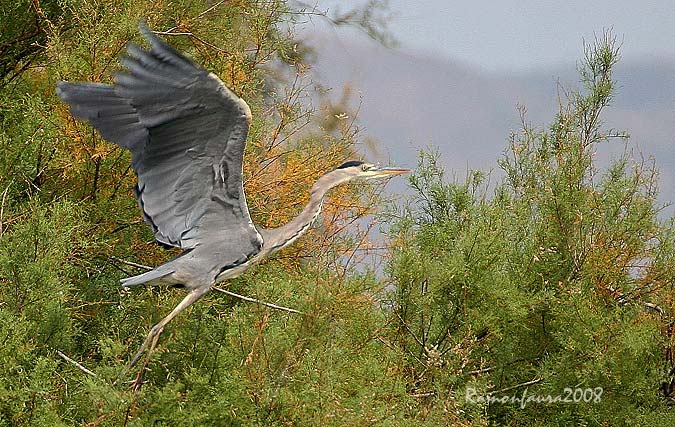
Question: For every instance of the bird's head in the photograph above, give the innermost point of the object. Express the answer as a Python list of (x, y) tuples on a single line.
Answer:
[(354, 170), (357, 169)]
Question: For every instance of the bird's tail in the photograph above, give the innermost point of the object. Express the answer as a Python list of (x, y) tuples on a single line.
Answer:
[(151, 277)]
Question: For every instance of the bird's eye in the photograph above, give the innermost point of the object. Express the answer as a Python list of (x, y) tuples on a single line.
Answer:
[(364, 167)]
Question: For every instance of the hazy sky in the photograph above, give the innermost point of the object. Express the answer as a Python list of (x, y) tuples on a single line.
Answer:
[(500, 35)]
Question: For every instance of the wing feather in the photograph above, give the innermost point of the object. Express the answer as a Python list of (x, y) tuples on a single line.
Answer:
[(187, 133)]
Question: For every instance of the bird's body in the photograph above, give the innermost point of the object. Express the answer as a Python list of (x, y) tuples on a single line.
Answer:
[(186, 132)]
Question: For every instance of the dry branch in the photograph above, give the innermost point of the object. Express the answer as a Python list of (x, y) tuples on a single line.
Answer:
[(249, 299)]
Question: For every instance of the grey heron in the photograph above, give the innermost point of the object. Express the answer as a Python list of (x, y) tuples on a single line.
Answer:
[(186, 132)]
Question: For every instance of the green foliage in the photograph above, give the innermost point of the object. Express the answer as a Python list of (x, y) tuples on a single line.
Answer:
[(559, 277), (555, 281), (23, 32), (36, 316)]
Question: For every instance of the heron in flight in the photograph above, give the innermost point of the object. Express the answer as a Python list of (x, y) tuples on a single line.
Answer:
[(186, 132)]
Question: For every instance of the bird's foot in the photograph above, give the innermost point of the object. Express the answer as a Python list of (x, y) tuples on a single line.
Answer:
[(147, 347), (152, 338)]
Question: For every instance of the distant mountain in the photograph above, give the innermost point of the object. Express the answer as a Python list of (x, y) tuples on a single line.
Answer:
[(411, 101)]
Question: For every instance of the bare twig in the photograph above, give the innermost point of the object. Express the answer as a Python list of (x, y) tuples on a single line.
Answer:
[(132, 264), (2, 208), (480, 371), (427, 394), (525, 384), (77, 365), (210, 9), (654, 307), (409, 331), (170, 33), (191, 34), (249, 299)]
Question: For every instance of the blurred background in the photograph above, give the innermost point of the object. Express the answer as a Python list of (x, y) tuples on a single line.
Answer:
[(451, 74)]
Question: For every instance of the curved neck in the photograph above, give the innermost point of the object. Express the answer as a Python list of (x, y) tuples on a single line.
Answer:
[(277, 238)]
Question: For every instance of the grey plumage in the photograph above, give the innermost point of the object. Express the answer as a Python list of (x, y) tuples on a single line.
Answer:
[(186, 133)]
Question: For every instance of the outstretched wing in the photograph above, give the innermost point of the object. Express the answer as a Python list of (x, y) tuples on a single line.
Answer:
[(186, 132)]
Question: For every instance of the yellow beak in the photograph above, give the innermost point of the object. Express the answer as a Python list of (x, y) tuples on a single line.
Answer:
[(390, 171)]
